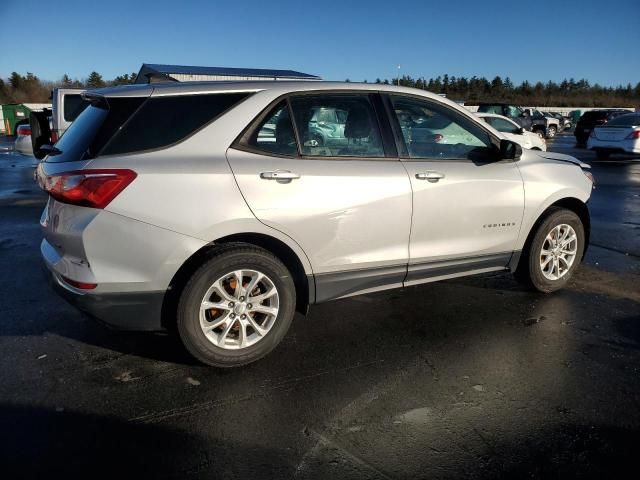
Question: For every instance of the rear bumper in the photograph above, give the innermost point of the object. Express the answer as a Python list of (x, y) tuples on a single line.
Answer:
[(137, 311)]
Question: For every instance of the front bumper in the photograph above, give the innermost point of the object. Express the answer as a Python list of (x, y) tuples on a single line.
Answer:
[(136, 311)]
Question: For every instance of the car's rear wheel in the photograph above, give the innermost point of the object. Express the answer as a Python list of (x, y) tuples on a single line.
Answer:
[(237, 307), (551, 131), (555, 251)]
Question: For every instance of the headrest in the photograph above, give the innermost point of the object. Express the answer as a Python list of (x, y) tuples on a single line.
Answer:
[(358, 122)]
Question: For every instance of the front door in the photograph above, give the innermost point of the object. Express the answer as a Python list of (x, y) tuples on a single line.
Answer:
[(339, 197), (467, 209)]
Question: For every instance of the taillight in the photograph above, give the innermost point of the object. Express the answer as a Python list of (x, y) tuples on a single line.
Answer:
[(634, 135), (23, 130), (80, 285), (94, 188), (54, 136)]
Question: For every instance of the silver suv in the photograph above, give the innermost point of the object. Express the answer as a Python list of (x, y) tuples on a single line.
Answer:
[(212, 207)]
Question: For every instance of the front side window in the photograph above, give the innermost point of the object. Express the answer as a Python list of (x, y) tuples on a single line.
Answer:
[(502, 125), (275, 133), (337, 125), (433, 131)]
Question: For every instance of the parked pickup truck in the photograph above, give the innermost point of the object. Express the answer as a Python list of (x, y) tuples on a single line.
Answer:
[(544, 124), (67, 104), (513, 112)]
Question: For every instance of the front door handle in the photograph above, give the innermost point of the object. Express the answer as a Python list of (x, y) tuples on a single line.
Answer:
[(279, 175), (432, 177)]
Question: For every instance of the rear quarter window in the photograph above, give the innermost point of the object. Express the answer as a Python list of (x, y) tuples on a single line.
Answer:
[(163, 121)]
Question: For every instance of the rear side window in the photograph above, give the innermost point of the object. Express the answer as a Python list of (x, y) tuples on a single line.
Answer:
[(164, 121)]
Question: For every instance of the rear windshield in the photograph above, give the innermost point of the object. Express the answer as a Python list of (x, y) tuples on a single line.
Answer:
[(625, 121), (121, 125)]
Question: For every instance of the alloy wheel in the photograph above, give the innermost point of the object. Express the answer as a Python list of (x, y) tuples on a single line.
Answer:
[(558, 252), (239, 309)]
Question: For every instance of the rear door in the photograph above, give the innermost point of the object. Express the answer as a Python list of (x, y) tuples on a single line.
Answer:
[(346, 200), (467, 208)]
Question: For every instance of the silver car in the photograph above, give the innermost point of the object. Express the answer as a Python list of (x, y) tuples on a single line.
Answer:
[(207, 206)]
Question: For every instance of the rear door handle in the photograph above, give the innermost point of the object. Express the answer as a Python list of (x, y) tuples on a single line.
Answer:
[(432, 177), (279, 175)]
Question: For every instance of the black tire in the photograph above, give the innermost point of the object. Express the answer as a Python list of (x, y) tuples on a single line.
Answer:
[(602, 154), (227, 259), (529, 270)]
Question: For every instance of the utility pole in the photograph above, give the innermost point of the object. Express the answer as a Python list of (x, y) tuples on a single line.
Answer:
[(398, 75)]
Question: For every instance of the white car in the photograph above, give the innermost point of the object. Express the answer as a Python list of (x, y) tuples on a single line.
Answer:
[(514, 132), (23, 140), (620, 135)]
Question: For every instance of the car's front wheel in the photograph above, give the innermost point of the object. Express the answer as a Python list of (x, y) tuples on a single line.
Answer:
[(554, 252), (237, 307), (551, 131)]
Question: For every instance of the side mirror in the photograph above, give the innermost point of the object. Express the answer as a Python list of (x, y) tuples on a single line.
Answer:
[(521, 131), (510, 150)]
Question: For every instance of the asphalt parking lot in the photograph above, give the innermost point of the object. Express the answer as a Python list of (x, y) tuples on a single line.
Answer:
[(475, 377)]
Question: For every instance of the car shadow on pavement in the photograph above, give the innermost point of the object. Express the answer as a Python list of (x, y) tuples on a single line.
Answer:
[(42, 443)]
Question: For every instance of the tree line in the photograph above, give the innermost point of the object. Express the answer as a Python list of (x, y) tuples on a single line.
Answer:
[(31, 89), (568, 93)]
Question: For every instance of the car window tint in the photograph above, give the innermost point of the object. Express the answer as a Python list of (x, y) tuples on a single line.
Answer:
[(434, 131), (275, 133), (497, 109), (163, 121), (501, 125), (514, 112), (74, 104), (337, 125)]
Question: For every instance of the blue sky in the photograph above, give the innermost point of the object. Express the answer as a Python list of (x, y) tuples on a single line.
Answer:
[(526, 40)]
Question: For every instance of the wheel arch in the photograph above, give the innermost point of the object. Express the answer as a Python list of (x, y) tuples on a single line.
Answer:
[(573, 204), (305, 284)]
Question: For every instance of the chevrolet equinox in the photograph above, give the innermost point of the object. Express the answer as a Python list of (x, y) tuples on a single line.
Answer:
[(212, 209)]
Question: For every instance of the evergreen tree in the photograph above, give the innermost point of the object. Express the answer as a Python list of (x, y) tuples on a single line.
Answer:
[(95, 80)]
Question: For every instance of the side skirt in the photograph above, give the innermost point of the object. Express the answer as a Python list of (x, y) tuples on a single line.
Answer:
[(334, 285)]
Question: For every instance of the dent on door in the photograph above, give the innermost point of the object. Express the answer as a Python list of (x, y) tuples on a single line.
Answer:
[(345, 214)]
